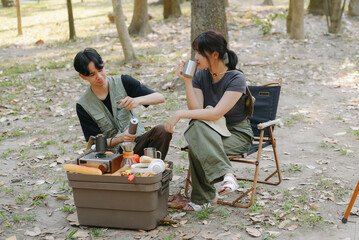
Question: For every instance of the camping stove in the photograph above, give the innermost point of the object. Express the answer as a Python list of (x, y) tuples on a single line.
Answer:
[(107, 163)]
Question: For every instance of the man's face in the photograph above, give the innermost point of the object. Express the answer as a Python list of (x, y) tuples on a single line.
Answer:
[(97, 77)]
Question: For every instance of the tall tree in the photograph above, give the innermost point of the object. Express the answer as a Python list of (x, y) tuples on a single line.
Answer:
[(334, 15), (316, 7), (140, 25), (122, 32), (267, 2), (71, 20), (208, 15), (353, 8), (18, 14), (295, 19), (171, 9)]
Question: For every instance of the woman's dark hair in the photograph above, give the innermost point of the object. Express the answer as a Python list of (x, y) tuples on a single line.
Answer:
[(211, 41), (83, 59)]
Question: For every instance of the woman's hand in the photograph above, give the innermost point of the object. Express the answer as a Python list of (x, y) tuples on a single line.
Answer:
[(179, 72), (129, 103), (171, 122)]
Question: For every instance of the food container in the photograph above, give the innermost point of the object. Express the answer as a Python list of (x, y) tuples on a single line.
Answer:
[(113, 201)]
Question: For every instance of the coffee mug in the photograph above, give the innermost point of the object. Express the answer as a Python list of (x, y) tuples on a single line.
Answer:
[(189, 68), (151, 152)]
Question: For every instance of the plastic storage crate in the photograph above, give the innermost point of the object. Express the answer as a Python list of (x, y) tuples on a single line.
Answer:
[(112, 201)]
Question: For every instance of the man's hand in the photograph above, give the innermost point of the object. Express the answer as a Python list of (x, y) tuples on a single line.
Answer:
[(128, 137), (129, 103)]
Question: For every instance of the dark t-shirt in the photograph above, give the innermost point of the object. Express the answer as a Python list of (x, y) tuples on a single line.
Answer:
[(133, 89), (213, 92)]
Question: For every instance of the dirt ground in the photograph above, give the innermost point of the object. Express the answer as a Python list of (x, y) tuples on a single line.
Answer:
[(317, 143)]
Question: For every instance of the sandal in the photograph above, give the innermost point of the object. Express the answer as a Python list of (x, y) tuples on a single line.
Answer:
[(229, 183), (191, 206)]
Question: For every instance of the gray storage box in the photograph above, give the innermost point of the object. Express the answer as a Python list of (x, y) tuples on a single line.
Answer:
[(112, 201)]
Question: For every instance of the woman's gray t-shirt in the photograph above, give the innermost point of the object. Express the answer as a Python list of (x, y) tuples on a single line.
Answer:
[(213, 92)]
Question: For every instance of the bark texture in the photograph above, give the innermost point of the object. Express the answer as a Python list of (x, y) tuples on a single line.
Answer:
[(316, 7), (353, 8), (267, 2), (296, 26), (171, 9), (140, 25), (71, 20), (334, 14), (18, 14), (7, 3), (208, 15), (122, 32)]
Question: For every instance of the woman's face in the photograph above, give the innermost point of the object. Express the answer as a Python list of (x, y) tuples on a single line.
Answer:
[(202, 61)]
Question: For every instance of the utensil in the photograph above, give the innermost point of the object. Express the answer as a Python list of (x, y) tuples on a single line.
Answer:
[(152, 152)]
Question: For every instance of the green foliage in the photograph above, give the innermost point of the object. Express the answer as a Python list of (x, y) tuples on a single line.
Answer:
[(95, 232), (71, 235), (266, 24), (204, 213)]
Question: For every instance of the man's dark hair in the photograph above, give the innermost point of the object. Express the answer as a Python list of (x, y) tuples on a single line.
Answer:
[(83, 59)]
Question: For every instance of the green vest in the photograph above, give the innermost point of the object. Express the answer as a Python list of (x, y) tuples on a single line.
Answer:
[(109, 124)]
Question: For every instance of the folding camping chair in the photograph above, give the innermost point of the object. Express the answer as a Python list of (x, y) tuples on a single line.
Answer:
[(351, 203), (262, 123)]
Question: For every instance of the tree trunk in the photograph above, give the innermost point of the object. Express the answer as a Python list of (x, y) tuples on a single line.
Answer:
[(297, 19), (7, 3), (171, 9), (18, 13), (122, 32), (316, 7), (334, 14), (208, 15), (353, 8), (140, 25), (289, 17), (268, 2), (71, 20)]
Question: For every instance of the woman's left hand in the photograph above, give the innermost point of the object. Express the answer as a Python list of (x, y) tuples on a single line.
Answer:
[(171, 122)]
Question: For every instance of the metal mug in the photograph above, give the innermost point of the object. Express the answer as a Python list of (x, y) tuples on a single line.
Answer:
[(151, 152), (189, 68)]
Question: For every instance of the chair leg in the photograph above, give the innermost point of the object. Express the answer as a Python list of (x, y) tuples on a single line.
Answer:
[(188, 182), (252, 190), (351, 203)]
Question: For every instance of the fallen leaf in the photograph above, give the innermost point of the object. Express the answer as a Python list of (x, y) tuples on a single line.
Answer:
[(237, 236), (36, 231), (73, 220), (81, 234), (282, 224), (253, 232), (11, 238), (292, 228)]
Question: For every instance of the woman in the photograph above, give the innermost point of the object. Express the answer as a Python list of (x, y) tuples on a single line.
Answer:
[(217, 90)]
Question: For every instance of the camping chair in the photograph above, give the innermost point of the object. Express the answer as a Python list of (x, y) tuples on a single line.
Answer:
[(262, 123), (351, 203)]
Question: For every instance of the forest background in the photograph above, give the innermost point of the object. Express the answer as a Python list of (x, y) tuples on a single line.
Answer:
[(317, 145)]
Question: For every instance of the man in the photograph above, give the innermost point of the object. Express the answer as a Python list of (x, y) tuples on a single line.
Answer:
[(106, 106)]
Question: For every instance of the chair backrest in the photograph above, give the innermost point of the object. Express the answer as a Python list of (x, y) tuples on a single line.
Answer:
[(265, 106)]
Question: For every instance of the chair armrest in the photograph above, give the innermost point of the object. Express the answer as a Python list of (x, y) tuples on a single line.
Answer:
[(270, 123)]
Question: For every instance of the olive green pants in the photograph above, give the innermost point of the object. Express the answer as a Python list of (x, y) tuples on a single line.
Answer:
[(208, 155)]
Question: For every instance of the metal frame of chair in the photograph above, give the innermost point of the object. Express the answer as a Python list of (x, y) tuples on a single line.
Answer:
[(351, 203), (265, 139)]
